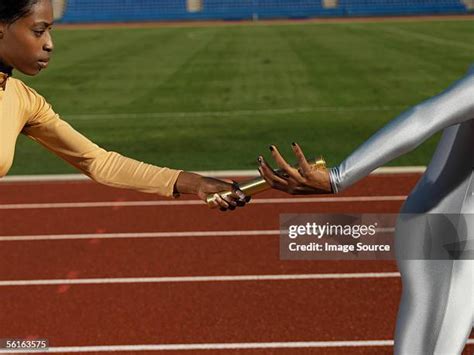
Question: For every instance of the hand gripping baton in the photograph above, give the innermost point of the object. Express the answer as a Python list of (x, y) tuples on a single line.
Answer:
[(256, 185)]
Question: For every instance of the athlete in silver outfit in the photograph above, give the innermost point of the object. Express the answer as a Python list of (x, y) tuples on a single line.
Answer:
[(436, 312)]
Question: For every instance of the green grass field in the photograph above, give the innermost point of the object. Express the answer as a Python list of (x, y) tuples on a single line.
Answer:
[(203, 98)]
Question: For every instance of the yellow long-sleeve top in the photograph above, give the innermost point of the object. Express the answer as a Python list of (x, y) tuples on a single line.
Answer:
[(23, 110)]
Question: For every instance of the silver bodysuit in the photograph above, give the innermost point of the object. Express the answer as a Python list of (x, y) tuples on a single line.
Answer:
[(436, 311)]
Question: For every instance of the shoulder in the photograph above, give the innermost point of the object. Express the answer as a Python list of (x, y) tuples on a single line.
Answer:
[(35, 107), (26, 94)]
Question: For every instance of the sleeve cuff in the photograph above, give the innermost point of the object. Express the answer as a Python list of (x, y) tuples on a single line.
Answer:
[(334, 178)]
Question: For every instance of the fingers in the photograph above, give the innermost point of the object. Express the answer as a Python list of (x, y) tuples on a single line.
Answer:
[(281, 162), (221, 194), (224, 203), (269, 175), (242, 199), (237, 192), (231, 200), (275, 180), (287, 168), (302, 162)]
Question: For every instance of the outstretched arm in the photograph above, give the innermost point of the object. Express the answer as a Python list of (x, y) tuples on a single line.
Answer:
[(110, 168), (407, 131), (403, 134)]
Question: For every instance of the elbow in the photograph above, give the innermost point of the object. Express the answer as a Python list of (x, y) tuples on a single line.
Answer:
[(93, 167), (417, 127)]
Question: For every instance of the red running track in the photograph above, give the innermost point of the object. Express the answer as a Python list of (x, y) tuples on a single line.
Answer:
[(180, 311)]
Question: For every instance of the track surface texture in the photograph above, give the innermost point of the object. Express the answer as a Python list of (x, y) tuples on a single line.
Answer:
[(95, 269)]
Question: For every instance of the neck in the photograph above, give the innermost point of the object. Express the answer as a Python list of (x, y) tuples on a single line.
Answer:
[(5, 68)]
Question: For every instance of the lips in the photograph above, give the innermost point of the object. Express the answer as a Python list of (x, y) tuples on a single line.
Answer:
[(43, 63)]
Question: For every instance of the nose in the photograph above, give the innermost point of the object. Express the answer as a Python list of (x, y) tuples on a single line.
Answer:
[(48, 45)]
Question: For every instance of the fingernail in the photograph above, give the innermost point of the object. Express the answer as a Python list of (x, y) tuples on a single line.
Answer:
[(271, 148), (293, 144), (259, 159)]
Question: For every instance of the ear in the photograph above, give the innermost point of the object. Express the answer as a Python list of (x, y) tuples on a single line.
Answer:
[(2, 30)]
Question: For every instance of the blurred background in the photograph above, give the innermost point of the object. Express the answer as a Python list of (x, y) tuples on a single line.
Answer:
[(209, 84), (151, 10)]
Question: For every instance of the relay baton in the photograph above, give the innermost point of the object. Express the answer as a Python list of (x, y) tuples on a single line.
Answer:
[(256, 185)]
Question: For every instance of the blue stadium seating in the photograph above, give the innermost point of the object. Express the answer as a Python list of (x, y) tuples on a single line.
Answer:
[(398, 7), (155, 10)]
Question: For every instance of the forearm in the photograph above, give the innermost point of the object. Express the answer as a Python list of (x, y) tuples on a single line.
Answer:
[(113, 169), (43, 125), (188, 183), (105, 167), (395, 139)]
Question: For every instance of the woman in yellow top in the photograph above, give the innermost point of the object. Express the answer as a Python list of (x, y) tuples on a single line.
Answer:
[(26, 45)]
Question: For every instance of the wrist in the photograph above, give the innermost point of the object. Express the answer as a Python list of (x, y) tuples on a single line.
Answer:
[(332, 176), (188, 183)]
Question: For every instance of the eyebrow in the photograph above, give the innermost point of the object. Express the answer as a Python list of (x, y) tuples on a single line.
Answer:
[(46, 24)]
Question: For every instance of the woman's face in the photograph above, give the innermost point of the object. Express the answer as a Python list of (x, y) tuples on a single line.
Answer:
[(26, 44)]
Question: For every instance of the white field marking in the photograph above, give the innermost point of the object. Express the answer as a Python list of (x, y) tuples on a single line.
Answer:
[(215, 173), (24, 206), (210, 346), (213, 346), (185, 279), (428, 38), (281, 111), (246, 233)]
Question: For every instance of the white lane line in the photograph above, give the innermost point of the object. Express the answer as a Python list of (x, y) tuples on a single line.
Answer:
[(215, 173), (24, 206), (183, 279), (428, 38), (235, 233), (214, 346), (140, 235)]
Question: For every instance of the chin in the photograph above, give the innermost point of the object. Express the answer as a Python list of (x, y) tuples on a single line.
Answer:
[(30, 71)]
